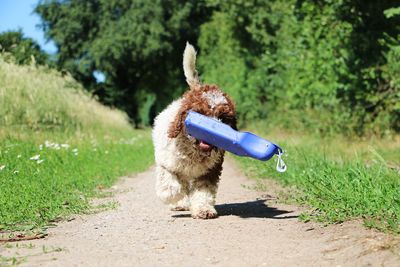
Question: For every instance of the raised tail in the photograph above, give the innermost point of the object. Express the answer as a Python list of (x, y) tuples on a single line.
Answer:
[(189, 66)]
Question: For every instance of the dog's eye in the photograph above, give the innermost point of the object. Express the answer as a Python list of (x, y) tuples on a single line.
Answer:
[(228, 120), (224, 119)]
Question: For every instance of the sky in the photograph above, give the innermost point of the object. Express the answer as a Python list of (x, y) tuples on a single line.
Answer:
[(15, 14)]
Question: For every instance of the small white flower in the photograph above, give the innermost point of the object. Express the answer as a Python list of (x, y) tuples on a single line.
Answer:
[(41, 147), (66, 146), (19, 156), (2, 167), (39, 161), (36, 157), (74, 150)]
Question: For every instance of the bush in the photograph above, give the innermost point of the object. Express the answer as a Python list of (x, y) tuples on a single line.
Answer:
[(324, 66)]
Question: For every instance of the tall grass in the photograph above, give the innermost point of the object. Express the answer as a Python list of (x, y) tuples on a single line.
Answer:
[(340, 179), (30, 97), (58, 146)]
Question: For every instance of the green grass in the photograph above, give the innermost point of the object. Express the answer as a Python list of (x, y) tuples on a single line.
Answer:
[(58, 147), (339, 179), (61, 181)]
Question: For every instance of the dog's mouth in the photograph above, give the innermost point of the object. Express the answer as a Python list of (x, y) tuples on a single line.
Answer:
[(203, 146)]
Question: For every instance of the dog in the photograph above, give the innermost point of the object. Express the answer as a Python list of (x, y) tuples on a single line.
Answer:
[(188, 170)]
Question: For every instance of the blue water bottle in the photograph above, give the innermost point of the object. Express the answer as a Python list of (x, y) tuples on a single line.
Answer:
[(225, 137)]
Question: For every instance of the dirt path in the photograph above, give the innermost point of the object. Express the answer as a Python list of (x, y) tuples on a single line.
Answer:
[(250, 231)]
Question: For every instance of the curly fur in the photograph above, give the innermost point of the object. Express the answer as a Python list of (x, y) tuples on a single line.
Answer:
[(186, 176)]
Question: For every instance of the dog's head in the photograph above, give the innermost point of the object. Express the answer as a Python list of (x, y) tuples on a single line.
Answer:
[(208, 100), (205, 99)]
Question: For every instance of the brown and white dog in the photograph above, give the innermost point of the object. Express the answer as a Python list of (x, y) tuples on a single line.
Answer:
[(188, 170)]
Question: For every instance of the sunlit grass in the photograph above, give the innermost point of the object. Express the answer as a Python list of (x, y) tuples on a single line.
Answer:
[(40, 183), (58, 147), (39, 98), (340, 179)]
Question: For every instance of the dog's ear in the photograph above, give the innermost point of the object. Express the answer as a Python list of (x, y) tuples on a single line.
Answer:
[(176, 126)]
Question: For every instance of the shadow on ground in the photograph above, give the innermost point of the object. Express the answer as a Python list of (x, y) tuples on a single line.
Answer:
[(249, 209), (252, 209)]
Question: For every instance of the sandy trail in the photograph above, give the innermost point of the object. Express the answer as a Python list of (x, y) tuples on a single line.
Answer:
[(250, 231)]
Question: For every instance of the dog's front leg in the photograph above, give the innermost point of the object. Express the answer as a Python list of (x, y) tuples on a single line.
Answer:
[(168, 187), (202, 199)]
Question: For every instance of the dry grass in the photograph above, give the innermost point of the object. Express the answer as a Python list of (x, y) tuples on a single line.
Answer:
[(41, 98)]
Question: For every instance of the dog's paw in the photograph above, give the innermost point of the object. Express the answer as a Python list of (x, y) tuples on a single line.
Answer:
[(181, 205), (170, 192), (204, 213)]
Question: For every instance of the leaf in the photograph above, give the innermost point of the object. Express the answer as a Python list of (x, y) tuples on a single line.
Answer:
[(392, 12)]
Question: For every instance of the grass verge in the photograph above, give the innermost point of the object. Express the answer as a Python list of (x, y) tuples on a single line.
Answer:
[(43, 180), (340, 179), (58, 147)]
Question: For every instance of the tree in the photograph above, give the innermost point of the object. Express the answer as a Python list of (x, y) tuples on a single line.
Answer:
[(136, 44), (326, 66), (23, 49)]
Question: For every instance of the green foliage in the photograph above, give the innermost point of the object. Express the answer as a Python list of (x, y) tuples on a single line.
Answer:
[(392, 12), (222, 54), (391, 71), (24, 50), (325, 66), (136, 44)]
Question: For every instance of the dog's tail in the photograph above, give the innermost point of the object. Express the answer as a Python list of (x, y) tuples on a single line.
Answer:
[(189, 66)]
